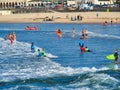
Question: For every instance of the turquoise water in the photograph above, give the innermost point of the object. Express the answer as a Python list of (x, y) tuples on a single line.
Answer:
[(68, 68)]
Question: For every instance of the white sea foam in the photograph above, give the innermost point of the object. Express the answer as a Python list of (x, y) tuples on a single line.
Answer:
[(35, 67), (96, 80), (103, 35), (12, 29), (93, 34)]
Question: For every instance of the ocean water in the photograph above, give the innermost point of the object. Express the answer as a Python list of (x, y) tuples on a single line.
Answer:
[(67, 68)]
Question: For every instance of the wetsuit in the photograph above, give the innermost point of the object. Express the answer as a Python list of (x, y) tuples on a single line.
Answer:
[(116, 57), (81, 43)]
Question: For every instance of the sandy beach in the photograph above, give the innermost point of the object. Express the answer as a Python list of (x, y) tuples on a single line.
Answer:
[(58, 17)]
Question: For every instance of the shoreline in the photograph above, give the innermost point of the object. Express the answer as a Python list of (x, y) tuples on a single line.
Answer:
[(57, 17)]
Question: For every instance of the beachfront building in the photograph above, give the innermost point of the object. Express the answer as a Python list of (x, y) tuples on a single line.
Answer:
[(98, 2), (9, 4), (71, 2), (13, 3), (103, 2)]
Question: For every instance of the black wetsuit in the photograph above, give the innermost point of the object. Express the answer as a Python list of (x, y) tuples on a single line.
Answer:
[(116, 56)]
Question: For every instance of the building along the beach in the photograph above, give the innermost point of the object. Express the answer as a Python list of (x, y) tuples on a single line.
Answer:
[(98, 2), (4, 4)]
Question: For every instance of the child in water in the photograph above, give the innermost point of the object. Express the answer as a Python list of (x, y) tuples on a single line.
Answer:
[(41, 53)]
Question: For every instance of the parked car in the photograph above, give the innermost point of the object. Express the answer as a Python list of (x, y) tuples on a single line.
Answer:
[(85, 7), (74, 5)]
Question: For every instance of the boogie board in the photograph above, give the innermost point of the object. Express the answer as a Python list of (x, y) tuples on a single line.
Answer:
[(110, 57)]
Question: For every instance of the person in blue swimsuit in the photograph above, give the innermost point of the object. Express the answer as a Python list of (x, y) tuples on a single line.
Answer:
[(81, 44), (32, 47)]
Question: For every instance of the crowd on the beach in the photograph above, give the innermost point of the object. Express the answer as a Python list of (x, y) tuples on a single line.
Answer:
[(76, 18)]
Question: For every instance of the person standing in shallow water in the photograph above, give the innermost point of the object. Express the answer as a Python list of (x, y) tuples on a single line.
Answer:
[(73, 32), (83, 32), (116, 56), (32, 47), (86, 33), (81, 44), (10, 37), (14, 36)]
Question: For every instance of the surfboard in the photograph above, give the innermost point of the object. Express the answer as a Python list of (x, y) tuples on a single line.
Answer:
[(110, 57)]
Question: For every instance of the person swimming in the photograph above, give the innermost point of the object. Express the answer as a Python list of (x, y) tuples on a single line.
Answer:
[(87, 49)]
